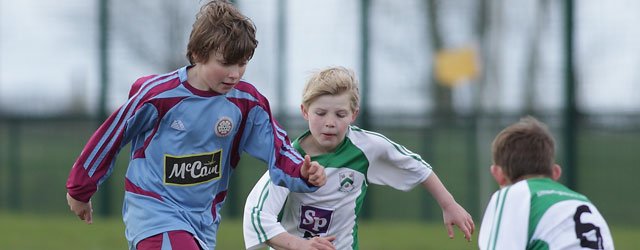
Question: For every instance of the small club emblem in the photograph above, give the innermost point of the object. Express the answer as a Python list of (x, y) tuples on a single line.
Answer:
[(346, 181), (224, 126)]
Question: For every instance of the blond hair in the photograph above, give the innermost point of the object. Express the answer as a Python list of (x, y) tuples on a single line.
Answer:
[(332, 81)]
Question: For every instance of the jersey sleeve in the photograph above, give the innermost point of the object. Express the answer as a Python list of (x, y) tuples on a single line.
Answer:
[(391, 163), (506, 219), (97, 159), (260, 219), (266, 140)]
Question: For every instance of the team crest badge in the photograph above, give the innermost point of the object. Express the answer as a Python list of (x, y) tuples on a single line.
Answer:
[(224, 126), (346, 181)]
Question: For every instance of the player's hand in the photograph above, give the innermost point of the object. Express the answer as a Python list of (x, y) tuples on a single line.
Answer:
[(287, 241), (454, 214), (313, 172), (320, 243), (82, 209)]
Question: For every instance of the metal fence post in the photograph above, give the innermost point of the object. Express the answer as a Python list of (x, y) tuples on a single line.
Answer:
[(103, 57), (15, 175), (571, 112), (365, 119)]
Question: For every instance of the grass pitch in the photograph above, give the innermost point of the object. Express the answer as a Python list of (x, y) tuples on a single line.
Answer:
[(28, 231)]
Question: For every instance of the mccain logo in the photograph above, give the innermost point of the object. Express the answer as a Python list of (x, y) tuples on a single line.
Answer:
[(192, 169)]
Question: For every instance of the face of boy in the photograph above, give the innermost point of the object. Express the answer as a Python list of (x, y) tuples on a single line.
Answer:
[(216, 75), (329, 117)]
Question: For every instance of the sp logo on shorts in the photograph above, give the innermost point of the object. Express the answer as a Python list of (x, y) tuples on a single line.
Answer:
[(315, 220), (192, 169)]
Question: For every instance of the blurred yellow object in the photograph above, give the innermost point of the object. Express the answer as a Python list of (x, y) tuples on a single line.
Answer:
[(453, 66)]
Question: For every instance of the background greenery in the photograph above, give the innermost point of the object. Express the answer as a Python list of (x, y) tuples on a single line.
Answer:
[(36, 155)]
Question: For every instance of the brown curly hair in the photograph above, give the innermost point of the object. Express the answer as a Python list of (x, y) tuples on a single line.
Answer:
[(221, 28)]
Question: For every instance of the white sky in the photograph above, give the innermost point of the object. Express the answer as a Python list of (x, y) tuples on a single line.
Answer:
[(48, 52)]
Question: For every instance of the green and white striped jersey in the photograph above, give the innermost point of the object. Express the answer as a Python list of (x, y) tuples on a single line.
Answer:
[(363, 157), (539, 213)]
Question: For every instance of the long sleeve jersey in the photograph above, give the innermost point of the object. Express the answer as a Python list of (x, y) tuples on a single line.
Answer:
[(540, 213), (185, 144), (363, 157)]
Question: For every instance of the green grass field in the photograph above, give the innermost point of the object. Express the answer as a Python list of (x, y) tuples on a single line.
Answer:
[(24, 231)]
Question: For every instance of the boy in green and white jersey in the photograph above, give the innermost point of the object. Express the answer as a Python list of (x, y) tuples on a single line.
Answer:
[(353, 158), (532, 210)]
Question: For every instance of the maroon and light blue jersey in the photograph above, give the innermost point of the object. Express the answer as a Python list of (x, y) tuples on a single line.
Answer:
[(185, 145)]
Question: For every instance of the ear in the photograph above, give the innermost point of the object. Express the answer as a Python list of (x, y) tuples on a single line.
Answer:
[(499, 176), (305, 112), (355, 115), (197, 58), (556, 172)]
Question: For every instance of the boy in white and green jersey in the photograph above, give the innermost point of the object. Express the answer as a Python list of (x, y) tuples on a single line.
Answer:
[(353, 158), (532, 210)]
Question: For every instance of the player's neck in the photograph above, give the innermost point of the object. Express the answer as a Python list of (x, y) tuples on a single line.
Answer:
[(194, 80), (526, 177)]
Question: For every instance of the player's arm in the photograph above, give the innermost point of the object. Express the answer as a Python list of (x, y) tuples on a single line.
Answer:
[(261, 209), (394, 165), (97, 158), (83, 210), (264, 139), (287, 241), (452, 212)]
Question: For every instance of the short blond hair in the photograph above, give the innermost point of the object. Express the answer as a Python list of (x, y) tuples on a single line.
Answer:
[(332, 81)]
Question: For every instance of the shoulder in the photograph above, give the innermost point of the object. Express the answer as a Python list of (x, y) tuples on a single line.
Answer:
[(137, 85), (248, 88), (373, 142), (522, 188), (151, 85), (363, 136), (246, 97), (245, 92), (518, 191), (545, 188)]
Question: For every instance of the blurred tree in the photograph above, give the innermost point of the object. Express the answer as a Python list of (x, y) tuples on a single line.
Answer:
[(532, 60), (155, 32), (444, 106)]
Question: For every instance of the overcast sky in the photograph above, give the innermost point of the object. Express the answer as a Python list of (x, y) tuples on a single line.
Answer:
[(48, 53)]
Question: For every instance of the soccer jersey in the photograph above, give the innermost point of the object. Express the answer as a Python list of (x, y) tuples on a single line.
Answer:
[(540, 213), (363, 157), (185, 144)]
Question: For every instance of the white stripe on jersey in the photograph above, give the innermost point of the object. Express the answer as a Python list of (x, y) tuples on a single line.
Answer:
[(255, 214), (290, 152), (129, 108), (399, 147), (502, 193)]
